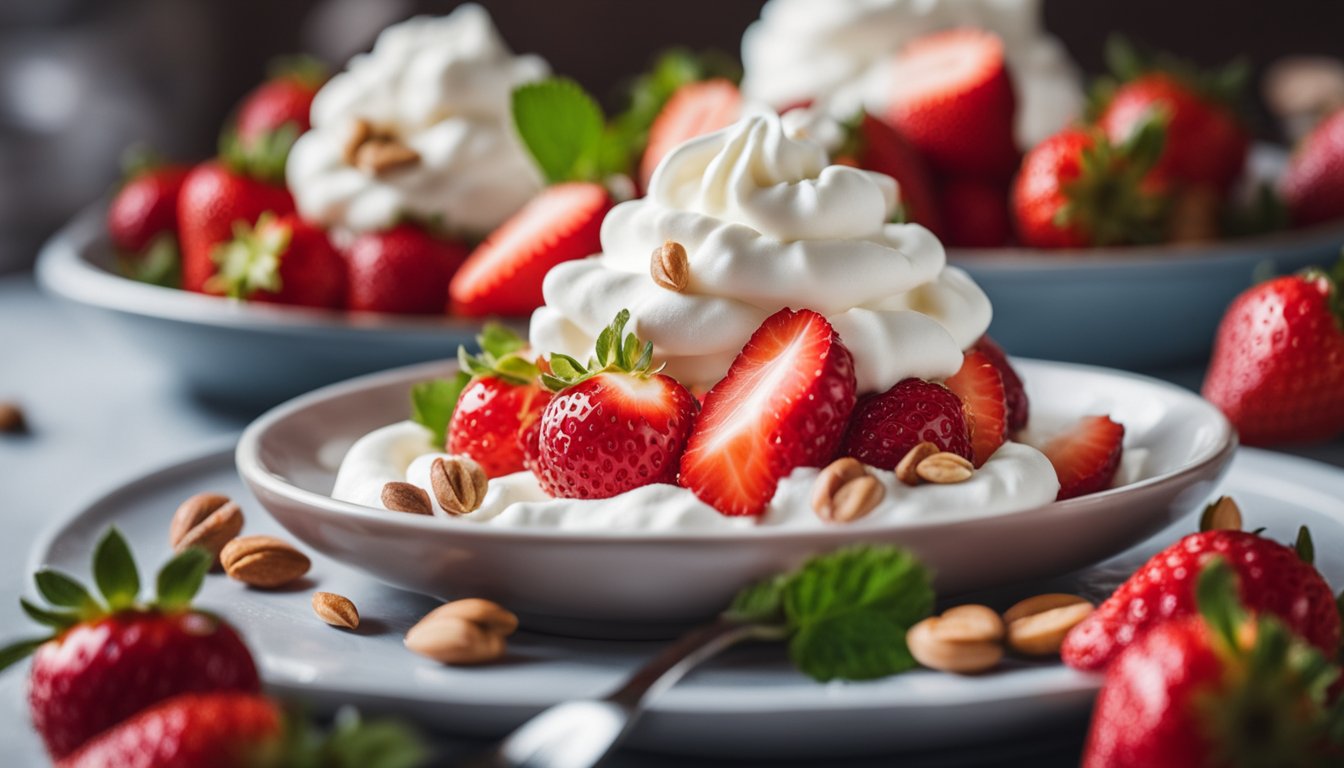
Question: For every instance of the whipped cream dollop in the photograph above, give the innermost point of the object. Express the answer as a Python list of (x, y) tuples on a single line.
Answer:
[(768, 223), (1016, 477), (442, 88), (834, 52)]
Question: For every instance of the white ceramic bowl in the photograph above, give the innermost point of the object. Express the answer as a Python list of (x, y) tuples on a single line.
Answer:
[(646, 582)]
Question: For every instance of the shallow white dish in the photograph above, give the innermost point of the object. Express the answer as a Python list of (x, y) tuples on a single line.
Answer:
[(648, 582)]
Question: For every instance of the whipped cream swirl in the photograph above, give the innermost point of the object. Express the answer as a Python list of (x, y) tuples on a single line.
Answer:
[(440, 86)]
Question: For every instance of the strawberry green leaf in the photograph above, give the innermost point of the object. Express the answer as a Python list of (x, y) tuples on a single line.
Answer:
[(263, 159), (180, 578), (160, 264), (1219, 601), (433, 403), (114, 571), (1306, 548), (12, 654), (566, 367), (250, 262), (372, 744), (561, 125), (57, 620), (500, 340), (64, 592)]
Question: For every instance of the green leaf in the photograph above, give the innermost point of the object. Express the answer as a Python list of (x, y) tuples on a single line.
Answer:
[(862, 645), (1124, 60), (373, 744), (562, 126), (114, 571), (566, 367), (181, 578), (12, 654), (64, 592), (433, 403), (160, 264), (1219, 601), (500, 340), (57, 620), (761, 602), (1306, 549)]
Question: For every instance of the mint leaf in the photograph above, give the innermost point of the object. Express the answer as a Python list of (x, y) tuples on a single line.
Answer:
[(180, 578), (561, 125), (114, 571), (759, 602), (433, 403)]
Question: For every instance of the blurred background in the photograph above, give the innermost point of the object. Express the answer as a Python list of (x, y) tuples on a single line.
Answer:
[(82, 79)]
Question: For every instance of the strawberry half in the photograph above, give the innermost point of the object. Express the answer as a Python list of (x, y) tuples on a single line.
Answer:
[(503, 276), (783, 404), (1087, 456), (1019, 407), (694, 110), (873, 145), (888, 424), (980, 387)]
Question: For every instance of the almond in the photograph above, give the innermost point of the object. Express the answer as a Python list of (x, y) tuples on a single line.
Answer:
[(336, 610), (263, 561), (12, 420), (969, 624), (935, 652), (459, 484), (670, 266), (945, 468), (905, 469), (377, 157), (206, 520), (491, 616), (406, 497), (1039, 624), (1221, 515)]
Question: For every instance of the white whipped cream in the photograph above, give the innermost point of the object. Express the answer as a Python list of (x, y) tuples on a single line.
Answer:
[(835, 51), (767, 223), (442, 86), (1016, 477)]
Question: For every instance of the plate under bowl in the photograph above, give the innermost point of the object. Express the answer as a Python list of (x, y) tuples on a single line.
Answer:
[(623, 583)]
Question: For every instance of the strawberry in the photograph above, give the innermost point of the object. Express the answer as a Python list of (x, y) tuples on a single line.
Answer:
[(614, 425), (145, 207), (1019, 408), (888, 424), (1313, 183), (1086, 456), (1275, 579), (1078, 189), (951, 97), (108, 660), (1216, 688), (503, 275), (214, 196), (281, 260), (875, 146), (974, 212), (500, 403), (980, 387), (1278, 360), (281, 104), (695, 109), (403, 270), (782, 405)]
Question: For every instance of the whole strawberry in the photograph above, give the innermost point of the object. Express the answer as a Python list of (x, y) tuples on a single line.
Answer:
[(108, 660), (887, 425), (1313, 183), (1214, 688), (975, 212), (142, 221), (278, 109), (403, 270), (1274, 580), (613, 425), (1277, 369), (217, 194), (693, 110), (281, 260), (501, 403)]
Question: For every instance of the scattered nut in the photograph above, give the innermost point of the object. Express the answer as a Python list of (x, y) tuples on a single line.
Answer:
[(12, 421), (336, 610), (1038, 628), (463, 632), (263, 561), (905, 469), (206, 520), (492, 616), (945, 468), (670, 267), (934, 652), (459, 484), (969, 624), (406, 497), (1221, 515), (845, 491), (1040, 604)]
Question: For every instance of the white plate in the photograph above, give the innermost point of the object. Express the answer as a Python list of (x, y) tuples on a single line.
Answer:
[(641, 583), (750, 703)]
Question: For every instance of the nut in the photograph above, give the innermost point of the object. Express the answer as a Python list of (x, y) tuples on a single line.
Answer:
[(406, 497), (361, 132), (1221, 515), (263, 561), (468, 631), (206, 520), (459, 484), (336, 610), (934, 652), (377, 151), (492, 616), (670, 267), (845, 491), (1037, 625), (969, 624), (945, 468), (905, 469), (12, 421)]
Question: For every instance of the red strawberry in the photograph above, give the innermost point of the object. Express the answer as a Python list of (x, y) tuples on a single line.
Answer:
[(282, 103), (145, 208), (783, 404), (1275, 580), (1278, 360), (214, 196), (105, 662), (974, 212), (502, 402), (280, 261), (695, 109), (1076, 189), (1019, 408), (1086, 456), (981, 389), (887, 425), (503, 275), (1217, 689), (951, 97), (614, 427), (403, 270), (1313, 184), (875, 146)]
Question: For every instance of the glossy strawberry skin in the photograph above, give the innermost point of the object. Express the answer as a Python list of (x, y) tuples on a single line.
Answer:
[(1019, 406), (1273, 580), (274, 104), (1278, 363), (96, 675), (974, 212), (312, 271), (488, 424), (612, 433), (212, 199), (1038, 191), (694, 110), (214, 730), (882, 149), (1313, 183), (403, 270), (145, 207), (885, 426)]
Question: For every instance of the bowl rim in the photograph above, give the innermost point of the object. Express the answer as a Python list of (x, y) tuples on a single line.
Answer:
[(253, 472)]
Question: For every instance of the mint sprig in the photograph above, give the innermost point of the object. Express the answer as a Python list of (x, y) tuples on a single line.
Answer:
[(562, 126), (502, 356)]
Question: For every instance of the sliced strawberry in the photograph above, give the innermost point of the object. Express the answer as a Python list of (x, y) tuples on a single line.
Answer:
[(1019, 408), (974, 212), (783, 404), (980, 387), (887, 425), (503, 275), (694, 110), (879, 147), (1087, 456)]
